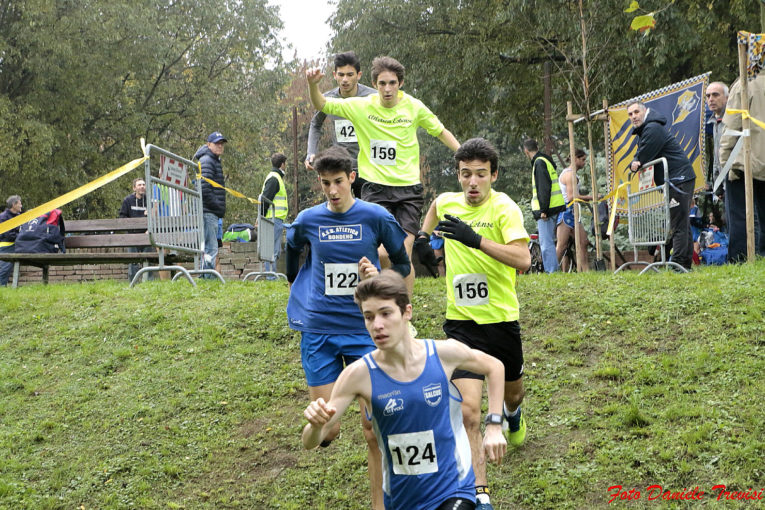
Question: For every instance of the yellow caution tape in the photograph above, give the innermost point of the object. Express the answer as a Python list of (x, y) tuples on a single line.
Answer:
[(71, 196), (216, 185), (745, 115), (601, 199), (619, 192)]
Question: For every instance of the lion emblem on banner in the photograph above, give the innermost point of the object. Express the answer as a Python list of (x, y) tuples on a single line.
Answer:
[(686, 103)]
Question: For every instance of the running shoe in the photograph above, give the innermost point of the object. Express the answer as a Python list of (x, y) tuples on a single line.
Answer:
[(483, 506), (514, 428)]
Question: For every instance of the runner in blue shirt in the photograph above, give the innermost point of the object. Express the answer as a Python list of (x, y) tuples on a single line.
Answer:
[(415, 408), (343, 234)]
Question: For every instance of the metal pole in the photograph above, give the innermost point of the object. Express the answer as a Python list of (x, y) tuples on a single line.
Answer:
[(548, 109), (295, 197)]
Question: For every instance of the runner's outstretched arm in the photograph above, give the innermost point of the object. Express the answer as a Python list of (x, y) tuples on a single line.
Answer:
[(353, 382), (314, 76), (455, 354), (448, 139)]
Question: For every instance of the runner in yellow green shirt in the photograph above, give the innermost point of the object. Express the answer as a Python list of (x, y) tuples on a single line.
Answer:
[(485, 243), (389, 155)]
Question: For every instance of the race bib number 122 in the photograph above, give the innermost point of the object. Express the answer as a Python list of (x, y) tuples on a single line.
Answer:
[(340, 279)]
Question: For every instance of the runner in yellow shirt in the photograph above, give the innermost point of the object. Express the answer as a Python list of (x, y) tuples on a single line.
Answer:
[(389, 154), (485, 242)]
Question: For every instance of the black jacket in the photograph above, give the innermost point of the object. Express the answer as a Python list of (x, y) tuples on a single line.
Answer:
[(544, 186), (133, 207), (656, 142), (213, 199), (9, 236)]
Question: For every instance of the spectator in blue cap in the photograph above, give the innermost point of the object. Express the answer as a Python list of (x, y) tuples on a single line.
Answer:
[(213, 198)]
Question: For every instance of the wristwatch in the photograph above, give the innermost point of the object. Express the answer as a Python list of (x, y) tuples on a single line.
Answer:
[(493, 419), (424, 234)]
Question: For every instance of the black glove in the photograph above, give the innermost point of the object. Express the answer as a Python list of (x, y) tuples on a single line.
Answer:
[(425, 252), (454, 228)]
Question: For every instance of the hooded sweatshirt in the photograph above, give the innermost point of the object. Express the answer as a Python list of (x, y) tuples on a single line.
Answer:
[(656, 142)]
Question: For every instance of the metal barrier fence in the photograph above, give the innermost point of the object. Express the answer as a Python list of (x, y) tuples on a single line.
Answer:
[(648, 216), (174, 211), (266, 242)]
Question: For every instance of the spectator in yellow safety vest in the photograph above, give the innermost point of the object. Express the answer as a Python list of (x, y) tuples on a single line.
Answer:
[(276, 193)]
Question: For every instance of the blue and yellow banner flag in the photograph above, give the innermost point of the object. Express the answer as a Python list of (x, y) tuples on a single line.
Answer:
[(683, 105)]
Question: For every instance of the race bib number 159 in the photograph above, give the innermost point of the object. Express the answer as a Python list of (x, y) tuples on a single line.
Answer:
[(382, 152)]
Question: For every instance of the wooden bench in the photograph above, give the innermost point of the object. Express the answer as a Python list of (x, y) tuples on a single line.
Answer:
[(92, 234)]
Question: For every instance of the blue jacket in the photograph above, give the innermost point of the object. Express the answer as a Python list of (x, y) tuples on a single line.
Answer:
[(656, 142), (213, 199), (9, 236)]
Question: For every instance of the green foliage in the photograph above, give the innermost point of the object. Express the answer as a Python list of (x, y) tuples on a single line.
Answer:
[(165, 396), (81, 82), (478, 64)]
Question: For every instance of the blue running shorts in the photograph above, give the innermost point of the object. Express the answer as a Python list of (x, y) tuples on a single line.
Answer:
[(324, 356)]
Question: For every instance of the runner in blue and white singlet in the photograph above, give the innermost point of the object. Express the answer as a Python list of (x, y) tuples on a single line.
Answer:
[(426, 452)]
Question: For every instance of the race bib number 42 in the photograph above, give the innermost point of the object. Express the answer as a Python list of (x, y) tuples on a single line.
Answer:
[(383, 152), (471, 289), (344, 131), (413, 453), (340, 279)]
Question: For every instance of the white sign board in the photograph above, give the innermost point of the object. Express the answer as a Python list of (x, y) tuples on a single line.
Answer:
[(171, 170)]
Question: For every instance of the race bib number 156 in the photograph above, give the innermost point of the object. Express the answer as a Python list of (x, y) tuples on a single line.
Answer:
[(471, 289)]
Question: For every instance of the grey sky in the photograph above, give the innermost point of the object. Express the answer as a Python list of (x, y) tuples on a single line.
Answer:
[(305, 26)]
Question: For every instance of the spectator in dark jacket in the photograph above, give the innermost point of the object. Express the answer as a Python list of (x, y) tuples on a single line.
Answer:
[(213, 198), (134, 206), (8, 239), (656, 142)]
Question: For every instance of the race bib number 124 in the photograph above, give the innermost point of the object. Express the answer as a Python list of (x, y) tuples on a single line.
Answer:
[(413, 453)]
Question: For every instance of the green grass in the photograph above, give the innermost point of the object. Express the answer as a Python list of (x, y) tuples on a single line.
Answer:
[(164, 396)]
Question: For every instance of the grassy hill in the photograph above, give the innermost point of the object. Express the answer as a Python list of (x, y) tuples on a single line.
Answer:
[(164, 396)]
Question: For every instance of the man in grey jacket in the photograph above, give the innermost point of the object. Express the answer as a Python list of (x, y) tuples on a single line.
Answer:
[(735, 188), (347, 74)]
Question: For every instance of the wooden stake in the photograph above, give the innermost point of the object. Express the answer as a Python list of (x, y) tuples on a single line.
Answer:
[(611, 249), (574, 191), (746, 126)]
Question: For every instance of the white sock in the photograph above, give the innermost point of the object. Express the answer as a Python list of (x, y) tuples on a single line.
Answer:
[(509, 414), (482, 498)]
